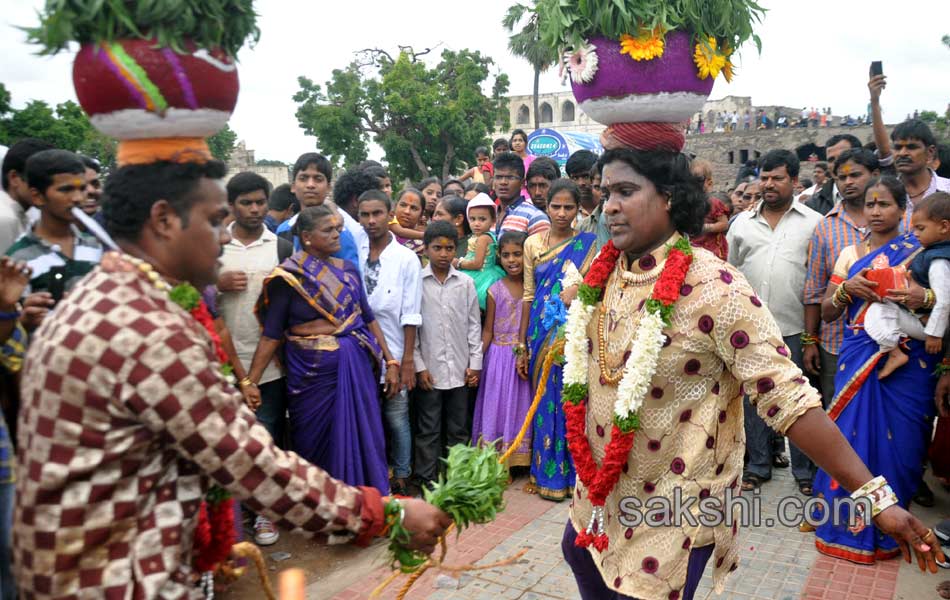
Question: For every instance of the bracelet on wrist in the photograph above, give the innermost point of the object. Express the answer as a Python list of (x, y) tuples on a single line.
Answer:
[(943, 367), (394, 514), (879, 492), (841, 297), (930, 298), (246, 382), (809, 340), (392, 362)]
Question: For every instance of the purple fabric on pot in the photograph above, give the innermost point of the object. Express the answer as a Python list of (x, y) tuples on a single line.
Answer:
[(619, 75)]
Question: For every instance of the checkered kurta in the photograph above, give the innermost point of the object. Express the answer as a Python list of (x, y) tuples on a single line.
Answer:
[(124, 416)]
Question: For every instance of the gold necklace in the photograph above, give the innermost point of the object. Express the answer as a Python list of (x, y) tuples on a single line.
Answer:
[(609, 375)]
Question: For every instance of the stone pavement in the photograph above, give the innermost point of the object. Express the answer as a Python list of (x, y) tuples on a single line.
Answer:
[(776, 563)]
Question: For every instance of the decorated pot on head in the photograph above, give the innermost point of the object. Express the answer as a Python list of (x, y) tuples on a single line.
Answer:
[(641, 71), (159, 83)]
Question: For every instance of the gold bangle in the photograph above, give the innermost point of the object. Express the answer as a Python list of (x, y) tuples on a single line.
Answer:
[(246, 382)]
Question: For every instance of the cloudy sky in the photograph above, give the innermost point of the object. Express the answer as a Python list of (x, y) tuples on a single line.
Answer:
[(814, 53)]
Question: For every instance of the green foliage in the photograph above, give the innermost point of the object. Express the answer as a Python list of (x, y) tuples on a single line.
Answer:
[(939, 123), (471, 492), (424, 118), (66, 127), (185, 295), (5, 99), (566, 23), (210, 24), (588, 295), (222, 143), (266, 162), (526, 43)]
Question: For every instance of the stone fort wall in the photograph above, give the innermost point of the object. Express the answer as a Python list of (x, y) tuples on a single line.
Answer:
[(729, 151)]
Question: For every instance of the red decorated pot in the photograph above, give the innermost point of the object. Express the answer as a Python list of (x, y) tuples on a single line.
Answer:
[(623, 90), (132, 89)]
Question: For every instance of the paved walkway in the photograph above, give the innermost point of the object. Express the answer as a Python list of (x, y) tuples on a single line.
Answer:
[(776, 563)]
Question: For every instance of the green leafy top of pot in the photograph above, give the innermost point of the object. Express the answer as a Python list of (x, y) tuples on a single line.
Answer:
[(209, 24), (567, 23)]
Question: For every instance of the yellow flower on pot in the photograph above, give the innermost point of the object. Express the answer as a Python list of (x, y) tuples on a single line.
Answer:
[(710, 61), (646, 46)]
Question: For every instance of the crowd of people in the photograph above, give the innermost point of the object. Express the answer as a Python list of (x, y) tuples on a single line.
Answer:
[(757, 119), (372, 324)]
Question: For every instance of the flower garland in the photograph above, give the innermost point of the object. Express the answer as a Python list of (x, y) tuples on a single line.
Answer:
[(645, 46), (637, 374), (214, 533)]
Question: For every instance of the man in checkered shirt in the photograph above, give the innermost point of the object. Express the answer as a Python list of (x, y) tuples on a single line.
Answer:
[(126, 418)]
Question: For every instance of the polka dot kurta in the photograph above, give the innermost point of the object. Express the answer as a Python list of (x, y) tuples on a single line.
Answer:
[(722, 343)]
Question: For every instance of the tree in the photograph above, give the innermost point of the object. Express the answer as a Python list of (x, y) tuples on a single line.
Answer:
[(66, 127), (946, 40), (527, 44), (222, 143), (939, 123), (422, 117), (266, 162)]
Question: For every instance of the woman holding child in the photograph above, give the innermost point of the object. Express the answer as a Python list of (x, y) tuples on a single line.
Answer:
[(884, 386)]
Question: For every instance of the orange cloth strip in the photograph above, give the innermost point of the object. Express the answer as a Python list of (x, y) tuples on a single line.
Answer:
[(176, 149)]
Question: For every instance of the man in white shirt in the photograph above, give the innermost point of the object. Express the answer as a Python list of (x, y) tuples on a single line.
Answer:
[(15, 198), (246, 260), (770, 246), (392, 278)]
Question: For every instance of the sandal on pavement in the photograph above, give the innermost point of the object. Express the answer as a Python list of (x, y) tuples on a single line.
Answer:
[(804, 487), (751, 482), (780, 461)]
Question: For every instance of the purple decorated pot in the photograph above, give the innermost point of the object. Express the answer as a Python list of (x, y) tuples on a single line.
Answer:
[(623, 90)]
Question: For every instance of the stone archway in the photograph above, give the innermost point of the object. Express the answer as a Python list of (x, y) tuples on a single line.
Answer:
[(547, 113), (567, 111), (524, 115)]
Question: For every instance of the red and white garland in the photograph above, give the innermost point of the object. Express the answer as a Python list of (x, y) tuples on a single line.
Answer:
[(637, 374)]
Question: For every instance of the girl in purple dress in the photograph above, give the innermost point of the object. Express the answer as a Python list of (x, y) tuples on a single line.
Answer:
[(333, 349), (504, 397)]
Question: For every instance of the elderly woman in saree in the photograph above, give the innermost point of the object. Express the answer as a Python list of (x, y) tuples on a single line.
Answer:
[(315, 308)]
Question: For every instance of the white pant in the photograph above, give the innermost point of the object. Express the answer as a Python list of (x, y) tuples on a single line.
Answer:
[(886, 323)]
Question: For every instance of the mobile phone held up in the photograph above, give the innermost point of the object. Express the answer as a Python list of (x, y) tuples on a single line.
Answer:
[(877, 68), (57, 284)]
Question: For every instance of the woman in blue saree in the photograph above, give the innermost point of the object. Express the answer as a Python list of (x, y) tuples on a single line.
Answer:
[(888, 421), (548, 258), (333, 349)]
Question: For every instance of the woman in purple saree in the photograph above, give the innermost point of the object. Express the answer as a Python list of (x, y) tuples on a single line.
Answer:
[(316, 307)]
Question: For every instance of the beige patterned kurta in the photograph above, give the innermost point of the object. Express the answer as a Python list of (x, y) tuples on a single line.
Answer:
[(722, 341)]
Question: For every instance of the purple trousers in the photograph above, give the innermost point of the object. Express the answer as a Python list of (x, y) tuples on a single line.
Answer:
[(591, 585)]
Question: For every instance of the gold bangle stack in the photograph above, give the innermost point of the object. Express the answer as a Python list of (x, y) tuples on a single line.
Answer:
[(930, 298), (246, 382), (841, 297), (880, 494)]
